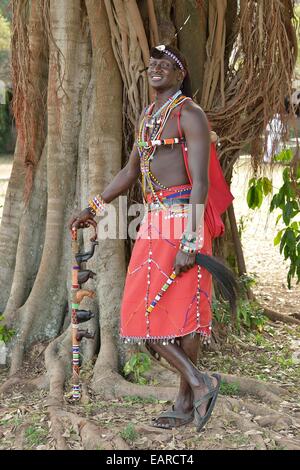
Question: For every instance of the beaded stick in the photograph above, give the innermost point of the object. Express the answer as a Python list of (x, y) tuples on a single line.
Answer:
[(164, 288), (75, 342)]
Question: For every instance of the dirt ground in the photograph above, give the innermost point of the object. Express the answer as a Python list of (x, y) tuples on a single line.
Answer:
[(241, 420)]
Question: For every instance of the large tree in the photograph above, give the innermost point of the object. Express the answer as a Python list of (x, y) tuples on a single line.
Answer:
[(79, 88)]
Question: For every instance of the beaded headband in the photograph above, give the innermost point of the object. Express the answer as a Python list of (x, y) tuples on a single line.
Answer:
[(162, 48)]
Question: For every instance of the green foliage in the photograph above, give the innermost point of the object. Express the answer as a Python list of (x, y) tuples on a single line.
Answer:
[(249, 314), (129, 433), (287, 200), (221, 312), (5, 9), (137, 365), (229, 388), (242, 224), (4, 33), (247, 281), (35, 435), (135, 399), (285, 156), (5, 333), (288, 238), (258, 188)]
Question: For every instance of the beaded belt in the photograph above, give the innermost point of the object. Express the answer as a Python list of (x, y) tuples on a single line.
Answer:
[(167, 202)]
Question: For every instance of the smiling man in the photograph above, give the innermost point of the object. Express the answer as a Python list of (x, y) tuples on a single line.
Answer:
[(166, 300)]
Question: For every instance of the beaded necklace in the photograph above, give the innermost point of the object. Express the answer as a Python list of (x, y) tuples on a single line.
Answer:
[(152, 132)]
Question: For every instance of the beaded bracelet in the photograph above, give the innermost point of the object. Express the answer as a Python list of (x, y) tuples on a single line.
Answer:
[(92, 207), (189, 237), (185, 249), (92, 211), (97, 205)]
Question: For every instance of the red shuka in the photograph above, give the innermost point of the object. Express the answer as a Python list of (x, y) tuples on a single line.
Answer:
[(186, 306)]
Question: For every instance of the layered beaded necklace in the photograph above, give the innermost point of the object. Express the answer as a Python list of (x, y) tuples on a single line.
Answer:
[(150, 130)]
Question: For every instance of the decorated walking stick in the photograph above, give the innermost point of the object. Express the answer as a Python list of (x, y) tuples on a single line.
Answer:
[(78, 315)]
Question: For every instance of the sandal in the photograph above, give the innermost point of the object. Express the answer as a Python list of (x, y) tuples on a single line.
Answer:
[(211, 397), (185, 418)]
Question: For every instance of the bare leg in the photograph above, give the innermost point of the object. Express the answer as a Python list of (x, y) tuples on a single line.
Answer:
[(176, 356), (185, 397), (184, 400)]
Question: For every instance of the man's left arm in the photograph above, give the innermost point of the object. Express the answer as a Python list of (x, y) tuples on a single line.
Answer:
[(197, 136), (196, 131)]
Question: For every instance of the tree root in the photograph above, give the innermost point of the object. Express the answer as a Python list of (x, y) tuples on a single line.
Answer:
[(275, 316), (90, 434), (258, 420), (57, 359), (111, 383), (40, 383), (264, 391)]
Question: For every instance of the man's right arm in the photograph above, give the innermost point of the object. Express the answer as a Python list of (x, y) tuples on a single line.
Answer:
[(120, 184)]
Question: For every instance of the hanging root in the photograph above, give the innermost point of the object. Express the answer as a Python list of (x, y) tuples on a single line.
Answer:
[(243, 95)]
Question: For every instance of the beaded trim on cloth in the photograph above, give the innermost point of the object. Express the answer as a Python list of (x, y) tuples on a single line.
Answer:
[(205, 338)]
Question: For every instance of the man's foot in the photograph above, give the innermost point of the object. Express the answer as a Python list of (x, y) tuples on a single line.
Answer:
[(173, 418), (205, 396)]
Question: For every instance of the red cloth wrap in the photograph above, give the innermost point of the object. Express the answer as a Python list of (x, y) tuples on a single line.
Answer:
[(175, 315)]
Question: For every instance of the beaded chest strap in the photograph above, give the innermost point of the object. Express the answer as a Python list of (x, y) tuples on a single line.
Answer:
[(152, 143)]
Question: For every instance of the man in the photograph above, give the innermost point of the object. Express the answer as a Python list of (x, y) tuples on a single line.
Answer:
[(166, 300)]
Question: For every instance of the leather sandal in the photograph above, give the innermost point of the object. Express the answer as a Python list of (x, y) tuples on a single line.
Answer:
[(210, 397), (185, 418)]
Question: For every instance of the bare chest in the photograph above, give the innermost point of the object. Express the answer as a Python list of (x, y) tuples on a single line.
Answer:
[(168, 163)]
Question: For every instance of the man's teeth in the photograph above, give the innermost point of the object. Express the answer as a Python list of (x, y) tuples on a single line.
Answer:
[(156, 78)]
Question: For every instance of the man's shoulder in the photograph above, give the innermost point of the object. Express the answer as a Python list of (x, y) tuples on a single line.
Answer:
[(190, 107), (192, 110)]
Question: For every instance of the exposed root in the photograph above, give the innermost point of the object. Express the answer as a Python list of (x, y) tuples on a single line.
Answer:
[(275, 316), (57, 359), (267, 392), (8, 384), (110, 384), (90, 434)]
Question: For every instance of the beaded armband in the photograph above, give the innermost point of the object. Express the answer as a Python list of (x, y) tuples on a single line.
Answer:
[(191, 242), (188, 243), (188, 249), (97, 205)]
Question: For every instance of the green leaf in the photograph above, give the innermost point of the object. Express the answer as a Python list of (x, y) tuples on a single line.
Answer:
[(286, 175), (255, 197), (287, 213), (282, 242), (291, 239), (278, 237), (267, 186), (251, 197), (285, 155)]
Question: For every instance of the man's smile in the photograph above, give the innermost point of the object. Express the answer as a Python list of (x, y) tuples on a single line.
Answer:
[(156, 77)]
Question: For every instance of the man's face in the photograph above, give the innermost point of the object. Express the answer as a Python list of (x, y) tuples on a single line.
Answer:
[(163, 73)]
